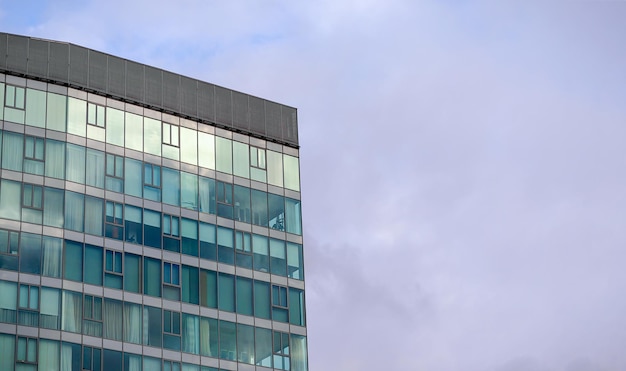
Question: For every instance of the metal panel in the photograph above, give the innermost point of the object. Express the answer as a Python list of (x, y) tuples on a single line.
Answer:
[(135, 81), (38, 58), (79, 65), (223, 106), (116, 68), (58, 62), (240, 110), (272, 120), (257, 115), (171, 91), (3, 50), (289, 123), (17, 53), (188, 96), (206, 101), (97, 70), (154, 86)]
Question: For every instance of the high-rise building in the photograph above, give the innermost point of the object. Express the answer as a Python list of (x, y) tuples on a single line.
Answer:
[(148, 220)]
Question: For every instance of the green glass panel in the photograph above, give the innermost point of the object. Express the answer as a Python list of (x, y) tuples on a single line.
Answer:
[(223, 155), (36, 108), (57, 112), (77, 116)]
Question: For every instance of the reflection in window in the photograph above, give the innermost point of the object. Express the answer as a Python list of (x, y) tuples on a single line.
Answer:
[(34, 155), (14, 97), (170, 134), (96, 114)]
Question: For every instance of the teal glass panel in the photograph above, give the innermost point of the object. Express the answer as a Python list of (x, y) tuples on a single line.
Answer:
[(152, 136), (259, 208), (57, 112), (292, 172), (50, 311), (208, 246), (52, 257), (242, 204), (224, 200), (153, 327), (30, 253), (206, 150), (132, 277), (35, 108), (9, 245), (208, 288), (206, 195), (73, 259), (71, 312), (152, 182), (111, 360), (293, 216), (95, 209), (76, 116), (7, 344), (75, 163), (115, 126), (275, 168), (245, 344), (278, 257), (93, 260), (55, 159), (1, 101), (241, 160), (276, 209), (74, 211), (226, 292), (132, 323), (208, 337), (133, 224), (225, 245), (10, 197), (189, 230), (263, 351), (223, 155), (95, 168), (190, 286), (296, 307), (132, 362), (295, 261), (188, 146), (191, 334), (152, 277), (299, 361), (112, 315), (152, 228), (189, 191), (34, 155), (262, 297), (133, 170), (171, 186), (243, 249), (53, 202), (134, 132), (8, 302), (12, 151), (228, 340), (260, 253), (114, 179), (245, 304)]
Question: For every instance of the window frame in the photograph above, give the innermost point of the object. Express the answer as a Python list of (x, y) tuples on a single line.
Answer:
[(6, 247), (31, 204), (255, 156), (26, 360), (169, 139), (14, 104), (96, 114)]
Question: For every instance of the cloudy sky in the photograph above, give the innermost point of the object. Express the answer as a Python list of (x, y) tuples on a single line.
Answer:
[(463, 163)]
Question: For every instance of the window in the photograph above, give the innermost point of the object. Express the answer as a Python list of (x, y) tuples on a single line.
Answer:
[(95, 114), (279, 304), (114, 220), (34, 150), (28, 306), (281, 350), (243, 249), (26, 353), (9, 242), (170, 134), (152, 182), (91, 359), (113, 269), (171, 330), (32, 197), (171, 233), (114, 180), (15, 97), (171, 281), (92, 316), (257, 157), (225, 200)]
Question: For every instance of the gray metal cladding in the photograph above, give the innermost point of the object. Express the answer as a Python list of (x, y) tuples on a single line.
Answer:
[(82, 68)]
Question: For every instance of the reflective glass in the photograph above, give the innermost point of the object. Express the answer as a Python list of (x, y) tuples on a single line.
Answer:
[(188, 146), (35, 108), (171, 186), (115, 126), (292, 172), (224, 155), (57, 112), (206, 150), (241, 160), (228, 340), (77, 117), (226, 292), (134, 131)]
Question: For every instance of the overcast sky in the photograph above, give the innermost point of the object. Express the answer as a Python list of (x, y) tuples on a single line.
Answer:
[(463, 163)]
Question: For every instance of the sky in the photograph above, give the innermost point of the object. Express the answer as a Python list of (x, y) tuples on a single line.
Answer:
[(463, 164)]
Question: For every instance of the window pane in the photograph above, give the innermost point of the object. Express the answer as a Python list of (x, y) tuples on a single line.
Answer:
[(188, 146), (152, 277), (12, 151), (132, 323), (228, 340), (73, 258), (260, 250), (93, 260), (10, 199), (134, 131), (30, 253), (189, 192), (94, 223), (259, 208), (52, 255), (95, 168), (115, 126), (226, 292), (208, 241), (263, 355), (111, 319), (57, 112), (244, 296), (276, 209), (152, 136), (191, 334), (241, 160), (278, 258), (208, 288), (295, 264), (275, 168), (133, 224), (225, 245), (224, 156), (245, 343), (35, 108), (8, 301), (189, 236), (76, 118), (152, 327), (50, 308), (293, 216), (208, 337), (296, 306), (206, 195), (190, 285), (152, 228), (133, 184), (242, 204), (171, 186), (71, 315), (206, 150), (74, 211), (261, 299), (292, 172), (132, 264), (75, 163), (55, 159)]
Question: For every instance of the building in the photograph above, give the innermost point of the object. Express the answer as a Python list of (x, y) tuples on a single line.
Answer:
[(148, 220)]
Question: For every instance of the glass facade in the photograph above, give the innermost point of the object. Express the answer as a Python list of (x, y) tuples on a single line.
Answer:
[(134, 238)]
